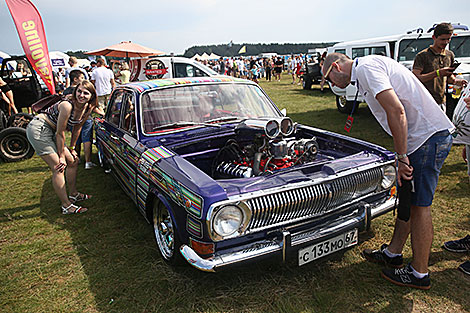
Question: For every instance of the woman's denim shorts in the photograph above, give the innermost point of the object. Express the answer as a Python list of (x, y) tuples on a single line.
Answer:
[(427, 162), (41, 136)]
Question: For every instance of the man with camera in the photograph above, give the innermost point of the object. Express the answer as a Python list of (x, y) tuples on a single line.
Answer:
[(435, 66)]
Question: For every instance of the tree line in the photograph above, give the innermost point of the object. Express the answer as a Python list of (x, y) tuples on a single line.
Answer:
[(230, 50)]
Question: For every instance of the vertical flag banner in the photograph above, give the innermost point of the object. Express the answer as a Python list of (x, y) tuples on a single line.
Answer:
[(242, 50), (30, 29)]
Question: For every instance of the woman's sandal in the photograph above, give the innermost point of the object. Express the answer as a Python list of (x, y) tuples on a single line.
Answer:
[(75, 209), (79, 197)]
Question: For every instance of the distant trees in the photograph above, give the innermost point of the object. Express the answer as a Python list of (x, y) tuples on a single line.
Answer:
[(255, 49)]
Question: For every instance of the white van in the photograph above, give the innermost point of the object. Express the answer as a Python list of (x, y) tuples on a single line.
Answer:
[(403, 48), (167, 67)]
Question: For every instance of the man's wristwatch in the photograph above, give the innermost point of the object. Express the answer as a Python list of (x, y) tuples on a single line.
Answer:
[(401, 156)]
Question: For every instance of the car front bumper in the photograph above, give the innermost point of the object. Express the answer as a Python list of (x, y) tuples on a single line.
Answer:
[(289, 240)]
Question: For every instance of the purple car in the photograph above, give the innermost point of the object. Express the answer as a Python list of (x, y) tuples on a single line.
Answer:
[(226, 178)]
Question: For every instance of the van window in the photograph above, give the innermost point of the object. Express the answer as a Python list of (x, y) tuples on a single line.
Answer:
[(460, 46), (343, 51), (409, 48), (360, 52), (188, 70)]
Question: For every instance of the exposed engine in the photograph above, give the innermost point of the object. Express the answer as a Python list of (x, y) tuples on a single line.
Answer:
[(270, 149)]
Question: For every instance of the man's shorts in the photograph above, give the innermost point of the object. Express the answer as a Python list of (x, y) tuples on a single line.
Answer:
[(103, 102), (87, 132), (41, 136), (427, 162)]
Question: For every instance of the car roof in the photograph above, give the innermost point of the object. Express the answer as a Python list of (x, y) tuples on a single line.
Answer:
[(142, 86)]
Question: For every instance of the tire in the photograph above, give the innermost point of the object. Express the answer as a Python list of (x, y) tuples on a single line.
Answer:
[(343, 105), (307, 83), (20, 120), (165, 234), (14, 146), (3, 120)]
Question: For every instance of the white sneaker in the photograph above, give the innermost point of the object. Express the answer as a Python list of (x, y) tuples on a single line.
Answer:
[(89, 165)]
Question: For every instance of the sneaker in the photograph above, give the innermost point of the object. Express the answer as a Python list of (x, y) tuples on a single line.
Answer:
[(461, 245), (465, 267), (404, 277), (379, 256), (89, 165)]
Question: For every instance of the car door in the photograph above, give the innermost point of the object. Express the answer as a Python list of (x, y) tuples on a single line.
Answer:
[(120, 139)]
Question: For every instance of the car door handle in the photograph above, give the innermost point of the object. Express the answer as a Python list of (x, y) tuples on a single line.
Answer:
[(114, 137)]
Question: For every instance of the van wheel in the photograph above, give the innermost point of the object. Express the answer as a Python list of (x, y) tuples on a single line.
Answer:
[(307, 83), (14, 146), (343, 105)]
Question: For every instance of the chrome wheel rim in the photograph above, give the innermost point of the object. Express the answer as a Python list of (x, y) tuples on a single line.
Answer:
[(163, 230)]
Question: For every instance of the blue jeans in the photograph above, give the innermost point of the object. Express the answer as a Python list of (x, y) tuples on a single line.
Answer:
[(427, 162)]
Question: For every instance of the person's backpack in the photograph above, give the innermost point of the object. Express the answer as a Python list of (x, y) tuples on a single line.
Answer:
[(44, 103)]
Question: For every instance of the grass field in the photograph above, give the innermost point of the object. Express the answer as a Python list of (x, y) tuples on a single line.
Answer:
[(106, 260)]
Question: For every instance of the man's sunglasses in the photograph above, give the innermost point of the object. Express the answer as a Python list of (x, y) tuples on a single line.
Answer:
[(328, 72)]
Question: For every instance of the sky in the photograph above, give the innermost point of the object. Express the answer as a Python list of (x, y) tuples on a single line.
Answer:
[(174, 26)]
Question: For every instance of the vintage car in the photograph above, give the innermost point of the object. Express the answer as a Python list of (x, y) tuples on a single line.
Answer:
[(226, 178)]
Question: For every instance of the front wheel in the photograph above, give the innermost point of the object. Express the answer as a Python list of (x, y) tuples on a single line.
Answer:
[(343, 105), (14, 145), (165, 234), (307, 83)]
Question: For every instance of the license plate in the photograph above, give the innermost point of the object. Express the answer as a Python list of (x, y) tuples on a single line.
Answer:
[(326, 247)]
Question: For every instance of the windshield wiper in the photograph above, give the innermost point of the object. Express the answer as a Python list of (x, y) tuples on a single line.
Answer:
[(460, 45), (409, 44), (182, 124), (223, 119)]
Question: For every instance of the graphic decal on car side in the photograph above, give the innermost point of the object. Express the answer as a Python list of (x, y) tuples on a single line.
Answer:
[(179, 193), (194, 227)]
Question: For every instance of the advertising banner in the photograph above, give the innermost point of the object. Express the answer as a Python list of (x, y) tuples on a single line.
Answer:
[(30, 29)]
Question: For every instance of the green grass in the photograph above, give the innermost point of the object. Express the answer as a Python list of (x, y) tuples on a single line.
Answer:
[(106, 261)]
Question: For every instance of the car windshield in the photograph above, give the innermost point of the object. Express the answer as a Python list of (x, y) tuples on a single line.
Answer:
[(183, 106)]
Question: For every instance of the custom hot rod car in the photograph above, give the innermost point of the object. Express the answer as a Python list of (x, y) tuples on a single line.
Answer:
[(226, 178)]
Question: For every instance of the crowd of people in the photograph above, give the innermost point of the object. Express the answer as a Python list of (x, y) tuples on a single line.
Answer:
[(255, 68)]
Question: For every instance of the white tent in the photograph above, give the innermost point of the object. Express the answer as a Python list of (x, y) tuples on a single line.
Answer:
[(196, 56), (204, 56), (214, 56), (58, 59)]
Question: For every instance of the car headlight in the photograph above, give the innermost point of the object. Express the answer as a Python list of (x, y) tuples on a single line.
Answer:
[(227, 220), (389, 176)]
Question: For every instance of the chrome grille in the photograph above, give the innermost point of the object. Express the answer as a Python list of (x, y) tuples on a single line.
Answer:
[(310, 201)]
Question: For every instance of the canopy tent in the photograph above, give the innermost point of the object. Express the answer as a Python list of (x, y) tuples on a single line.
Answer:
[(58, 59), (204, 56), (214, 56), (126, 49), (196, 56)]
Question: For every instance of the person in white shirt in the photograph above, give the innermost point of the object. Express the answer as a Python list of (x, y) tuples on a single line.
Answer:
[(103, 79), (422, 140)]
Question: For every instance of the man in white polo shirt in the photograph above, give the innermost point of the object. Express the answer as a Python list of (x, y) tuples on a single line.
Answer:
[(103, 79), (422, 140)]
